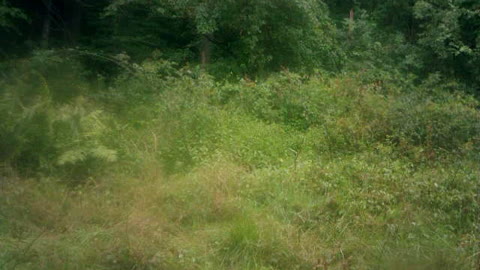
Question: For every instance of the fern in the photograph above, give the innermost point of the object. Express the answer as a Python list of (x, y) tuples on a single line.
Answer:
[(82, 133), (104, 153), (71, 157)]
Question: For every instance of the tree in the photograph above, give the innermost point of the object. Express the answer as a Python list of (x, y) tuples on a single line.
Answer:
[(46, 24), (9, 14), (256, 35), (450, 37)]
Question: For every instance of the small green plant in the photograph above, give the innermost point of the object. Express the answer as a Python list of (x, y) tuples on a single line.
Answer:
[(43, 132)]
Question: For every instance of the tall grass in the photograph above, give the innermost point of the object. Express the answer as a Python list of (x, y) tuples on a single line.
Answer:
[(177, 171)]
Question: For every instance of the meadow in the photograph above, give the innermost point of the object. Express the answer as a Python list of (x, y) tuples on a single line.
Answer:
[(167, 168)]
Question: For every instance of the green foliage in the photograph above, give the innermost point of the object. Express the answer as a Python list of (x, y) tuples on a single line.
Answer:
[(9, 14), (288, 173), (232, 39), (450, 37), (46, 138), (368, 169), (263, 39), (258, 35), (449, 122), (54, 74), (46, 126), (351, 115)]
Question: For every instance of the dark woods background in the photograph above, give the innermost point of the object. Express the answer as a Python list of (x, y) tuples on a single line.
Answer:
[(258, 37)]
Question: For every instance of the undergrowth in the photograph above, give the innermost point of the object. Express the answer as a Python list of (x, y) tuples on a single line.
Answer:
[(170, 169)]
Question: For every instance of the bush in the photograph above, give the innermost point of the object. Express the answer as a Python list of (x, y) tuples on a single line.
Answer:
[(46, 126), (447, 122), (291, 172), (57, 74)]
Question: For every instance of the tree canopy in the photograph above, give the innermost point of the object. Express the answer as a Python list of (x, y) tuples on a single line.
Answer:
[(257, 37)]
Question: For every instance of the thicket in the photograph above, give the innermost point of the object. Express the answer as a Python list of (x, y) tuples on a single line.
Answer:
[(310, 156), (51, 116)]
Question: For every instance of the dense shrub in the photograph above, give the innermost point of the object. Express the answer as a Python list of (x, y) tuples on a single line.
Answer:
[(449, 123), (343, 171), (351, 113), (46, 125)]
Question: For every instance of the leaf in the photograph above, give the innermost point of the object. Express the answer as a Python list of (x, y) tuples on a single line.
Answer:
[(104, 153), (71, 157)]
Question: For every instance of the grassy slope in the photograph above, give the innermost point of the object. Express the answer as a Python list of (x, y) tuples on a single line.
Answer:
[(287, 174)]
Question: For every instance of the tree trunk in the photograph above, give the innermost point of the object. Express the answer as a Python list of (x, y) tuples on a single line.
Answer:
[(46, 24), (352, 20), (205, 49), (76, 21)]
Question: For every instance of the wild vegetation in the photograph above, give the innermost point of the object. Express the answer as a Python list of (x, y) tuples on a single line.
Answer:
[(268, 134)]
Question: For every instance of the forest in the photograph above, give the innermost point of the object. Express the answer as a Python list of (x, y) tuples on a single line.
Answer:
[(240, 134)]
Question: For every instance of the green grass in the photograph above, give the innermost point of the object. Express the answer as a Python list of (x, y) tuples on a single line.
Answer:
[(286, 174)]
